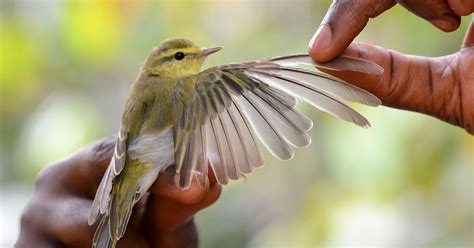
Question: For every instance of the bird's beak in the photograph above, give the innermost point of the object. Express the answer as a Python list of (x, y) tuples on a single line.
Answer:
[(207, 51)]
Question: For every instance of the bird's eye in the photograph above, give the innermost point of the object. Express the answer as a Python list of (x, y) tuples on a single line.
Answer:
[(179, 56)]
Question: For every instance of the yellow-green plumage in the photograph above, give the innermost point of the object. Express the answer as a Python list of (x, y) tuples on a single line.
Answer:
[(176, 114), (152, 107)]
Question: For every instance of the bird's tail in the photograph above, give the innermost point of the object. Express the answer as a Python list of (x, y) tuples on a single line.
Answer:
[(128, 188), (125, 182), (114, 222), (102, 234)]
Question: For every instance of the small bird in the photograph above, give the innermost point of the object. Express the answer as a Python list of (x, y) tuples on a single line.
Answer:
[(178, 115)]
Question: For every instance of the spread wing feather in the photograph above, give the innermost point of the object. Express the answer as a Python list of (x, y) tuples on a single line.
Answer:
[(317, 98), (234, 104), (327, 83), (341, 63), (214, 155), (202, 160)]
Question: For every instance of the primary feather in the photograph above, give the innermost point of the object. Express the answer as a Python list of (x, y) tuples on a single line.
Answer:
[(176, 114)]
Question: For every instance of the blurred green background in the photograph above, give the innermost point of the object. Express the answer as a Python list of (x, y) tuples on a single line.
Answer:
[(65, 70)]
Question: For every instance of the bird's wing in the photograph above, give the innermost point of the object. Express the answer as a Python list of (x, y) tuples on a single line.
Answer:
[(117, 162), (341, 63), (233, 104)]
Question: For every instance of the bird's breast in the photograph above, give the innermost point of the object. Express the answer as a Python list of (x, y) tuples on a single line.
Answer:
[(153, 149)]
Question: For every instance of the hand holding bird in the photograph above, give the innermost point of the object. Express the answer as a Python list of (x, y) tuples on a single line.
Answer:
[(57, 212)]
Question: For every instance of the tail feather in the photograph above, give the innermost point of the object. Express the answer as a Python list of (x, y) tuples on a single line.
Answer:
[(114, 223), (102, 235), (126, 189), (101, 200), (123, 210)]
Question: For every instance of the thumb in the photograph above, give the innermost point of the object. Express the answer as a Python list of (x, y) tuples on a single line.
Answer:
[(344, 20)]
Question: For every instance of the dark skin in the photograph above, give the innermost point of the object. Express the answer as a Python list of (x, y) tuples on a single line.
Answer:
[(442, 87), (57, 213)]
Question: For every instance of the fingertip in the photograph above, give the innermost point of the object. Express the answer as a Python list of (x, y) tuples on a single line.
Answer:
[(215, 192), (320, 44), (342, 23), (212, 196), (447, 25), (165, 186), (194, 194), (325, 47)]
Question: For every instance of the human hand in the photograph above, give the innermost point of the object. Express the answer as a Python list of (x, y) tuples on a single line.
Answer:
[(59, 209), (441, 87)]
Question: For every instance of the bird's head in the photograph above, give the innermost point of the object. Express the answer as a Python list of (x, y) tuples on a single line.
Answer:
[(176, 58)]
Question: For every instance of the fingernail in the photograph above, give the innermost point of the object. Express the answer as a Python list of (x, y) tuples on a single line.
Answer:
[(321, 39)]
